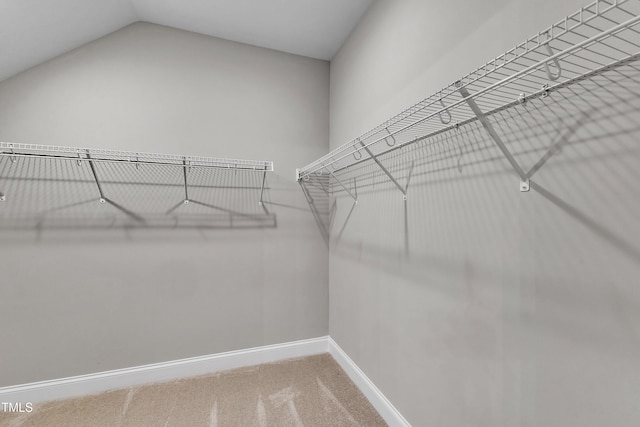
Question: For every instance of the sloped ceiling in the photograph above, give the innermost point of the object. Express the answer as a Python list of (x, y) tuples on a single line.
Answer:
[(34, 31)]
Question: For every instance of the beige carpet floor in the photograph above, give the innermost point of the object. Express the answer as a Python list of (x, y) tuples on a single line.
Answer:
[(309, 391)]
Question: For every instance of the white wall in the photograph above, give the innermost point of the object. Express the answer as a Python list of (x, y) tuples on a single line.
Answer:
[(82, 302), (509, 309)]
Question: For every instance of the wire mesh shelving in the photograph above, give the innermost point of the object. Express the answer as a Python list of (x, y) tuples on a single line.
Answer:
[(545, 91), (44, 186)]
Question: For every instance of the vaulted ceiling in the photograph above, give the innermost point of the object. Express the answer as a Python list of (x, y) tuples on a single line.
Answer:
[(34, 31)]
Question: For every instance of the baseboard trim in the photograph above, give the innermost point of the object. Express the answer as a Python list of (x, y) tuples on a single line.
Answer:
[(384, 407), (81, 385), (122, 378)]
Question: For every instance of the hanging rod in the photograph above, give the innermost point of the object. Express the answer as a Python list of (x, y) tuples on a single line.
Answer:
[(580, 47), (49, 182), (15, 150)]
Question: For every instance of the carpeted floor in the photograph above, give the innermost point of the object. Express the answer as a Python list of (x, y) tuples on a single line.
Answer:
[(310, 391)]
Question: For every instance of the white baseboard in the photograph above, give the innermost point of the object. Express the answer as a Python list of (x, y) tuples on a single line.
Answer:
[(130, 377), (386, 410), (122, 378)]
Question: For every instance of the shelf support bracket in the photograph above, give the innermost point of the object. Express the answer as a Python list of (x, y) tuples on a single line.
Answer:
[(186, 185), (186, 188), (524, 179), (103, 198), (264, 177), (95, 177), (395, 182), (355, 198)]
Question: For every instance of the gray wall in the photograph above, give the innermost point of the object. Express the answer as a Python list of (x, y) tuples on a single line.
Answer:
[(82, 302), (509, 308)]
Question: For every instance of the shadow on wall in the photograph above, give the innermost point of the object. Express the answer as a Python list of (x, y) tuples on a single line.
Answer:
[(43, 193), (577, 146)]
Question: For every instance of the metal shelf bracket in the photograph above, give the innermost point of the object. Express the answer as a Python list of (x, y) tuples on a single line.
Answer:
[(555, 146), (375, 159), (355, 198), (491, 131), (103, 199), (264, 177), (186, 185)]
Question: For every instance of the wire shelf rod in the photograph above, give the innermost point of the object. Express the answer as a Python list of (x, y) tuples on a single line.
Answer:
[(534, 95), (396, 183), (137, 162), (102, 155), (264, 177), (584, 45)]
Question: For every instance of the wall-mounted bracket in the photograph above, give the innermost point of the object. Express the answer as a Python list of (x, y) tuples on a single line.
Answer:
[(375, 159), (555, 147), (264, 177), (95, 177), (103, 199), (187, 200), (355, 198), (186, 185), (2, 197), (491, 131)]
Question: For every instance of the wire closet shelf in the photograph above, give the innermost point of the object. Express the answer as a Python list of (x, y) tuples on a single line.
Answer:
[(603, 36), (68, 187)]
